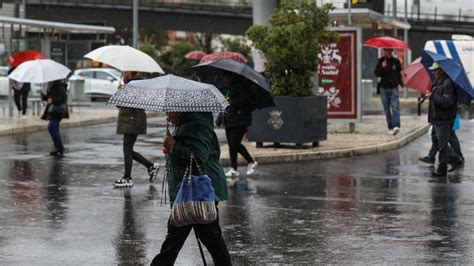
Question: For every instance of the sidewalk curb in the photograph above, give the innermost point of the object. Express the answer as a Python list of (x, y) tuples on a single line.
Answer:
[(64, 124), (293, 156)]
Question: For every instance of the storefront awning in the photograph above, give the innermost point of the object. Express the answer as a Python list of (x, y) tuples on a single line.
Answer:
[(56, 26), (367, 19)]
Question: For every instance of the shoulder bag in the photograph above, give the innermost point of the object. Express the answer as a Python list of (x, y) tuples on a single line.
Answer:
[(195, 200)]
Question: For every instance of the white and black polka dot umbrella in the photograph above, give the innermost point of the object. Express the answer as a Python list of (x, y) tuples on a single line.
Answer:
[(170, 94)]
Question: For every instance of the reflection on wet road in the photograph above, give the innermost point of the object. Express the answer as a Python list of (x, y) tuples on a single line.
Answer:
[(370, 209)]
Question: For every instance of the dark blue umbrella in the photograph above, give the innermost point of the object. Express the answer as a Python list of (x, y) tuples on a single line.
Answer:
[(454, 70)]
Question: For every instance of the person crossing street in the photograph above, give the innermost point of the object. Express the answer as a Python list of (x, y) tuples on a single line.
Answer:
[(442, 113), (236, 120), (132, 122)]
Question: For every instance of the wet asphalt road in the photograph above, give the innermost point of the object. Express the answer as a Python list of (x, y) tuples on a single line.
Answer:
[(370, 209)]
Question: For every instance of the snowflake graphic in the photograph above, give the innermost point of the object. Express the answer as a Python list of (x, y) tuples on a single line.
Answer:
[(330, 53), (333, 96)]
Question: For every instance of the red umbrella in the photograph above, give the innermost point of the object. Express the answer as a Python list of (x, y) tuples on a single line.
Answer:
[(225, 55), (195, 55), (386, 42), (415, 77), (23, 56)]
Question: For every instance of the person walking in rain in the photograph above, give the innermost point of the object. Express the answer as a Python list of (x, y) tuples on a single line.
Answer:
[(236, 120), (388, 70), (132, 122), (455, 155), (20, 94), (193, 133), (441, 114), (56, 110)]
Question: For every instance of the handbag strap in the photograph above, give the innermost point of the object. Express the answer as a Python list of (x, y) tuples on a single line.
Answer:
[(189, 170)]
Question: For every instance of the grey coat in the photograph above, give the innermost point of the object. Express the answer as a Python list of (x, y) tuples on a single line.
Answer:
[(131, 121)]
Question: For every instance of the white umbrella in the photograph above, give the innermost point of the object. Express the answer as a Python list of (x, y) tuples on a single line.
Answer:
[(39, 71), (170, 94), (125, 58)]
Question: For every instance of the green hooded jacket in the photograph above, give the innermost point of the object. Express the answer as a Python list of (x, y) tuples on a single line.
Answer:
[(194, 132)]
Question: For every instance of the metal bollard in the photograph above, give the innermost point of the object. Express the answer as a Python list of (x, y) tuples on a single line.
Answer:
[(421, 100)]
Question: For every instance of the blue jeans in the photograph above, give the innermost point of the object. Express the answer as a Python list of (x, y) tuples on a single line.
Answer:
[(391, 106), (53, 128)]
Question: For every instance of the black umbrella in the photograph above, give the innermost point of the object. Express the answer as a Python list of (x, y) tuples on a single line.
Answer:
[(211, 72)]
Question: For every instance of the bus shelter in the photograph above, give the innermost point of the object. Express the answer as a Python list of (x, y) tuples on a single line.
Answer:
[(65, 43), (367, 19), (345, 74)]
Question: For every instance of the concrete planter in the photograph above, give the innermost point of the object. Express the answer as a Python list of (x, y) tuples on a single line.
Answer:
[(295, 120)]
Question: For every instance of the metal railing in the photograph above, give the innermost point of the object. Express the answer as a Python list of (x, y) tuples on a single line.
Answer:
[(201, 5), (435, 16)]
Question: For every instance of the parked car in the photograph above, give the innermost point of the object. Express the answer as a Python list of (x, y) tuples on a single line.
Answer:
[(5, 84), (97, 82)]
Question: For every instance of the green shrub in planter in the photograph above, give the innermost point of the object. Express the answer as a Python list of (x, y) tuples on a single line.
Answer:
[(291, 47)]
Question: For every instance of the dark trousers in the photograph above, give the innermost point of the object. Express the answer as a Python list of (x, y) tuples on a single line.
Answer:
[(442, 131), (209, 234), (454, 148), (21, 99), (455, 145), (129, 154), (234, 139), (53, 129)]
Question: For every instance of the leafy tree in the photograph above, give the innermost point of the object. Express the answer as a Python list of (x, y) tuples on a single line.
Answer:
[(238, 45), (175, 59), (149, 49), (292, 45), (156, 37), (204, 40)]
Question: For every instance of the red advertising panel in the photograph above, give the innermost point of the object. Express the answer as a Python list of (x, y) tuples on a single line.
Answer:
[(339, 77)]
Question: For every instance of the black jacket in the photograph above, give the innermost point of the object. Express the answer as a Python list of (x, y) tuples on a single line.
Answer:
[(443, 101), (58, 92), (389, 75), (241, 105)]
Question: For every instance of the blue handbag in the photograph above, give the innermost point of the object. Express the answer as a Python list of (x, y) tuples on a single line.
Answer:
[(195, 200)]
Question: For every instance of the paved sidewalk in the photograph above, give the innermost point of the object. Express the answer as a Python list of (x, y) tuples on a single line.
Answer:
[(80, 116), (370, 136)]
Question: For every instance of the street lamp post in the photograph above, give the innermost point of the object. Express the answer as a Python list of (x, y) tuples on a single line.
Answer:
[(405, 38), (394, 9), (349, 15), (135, 23)]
